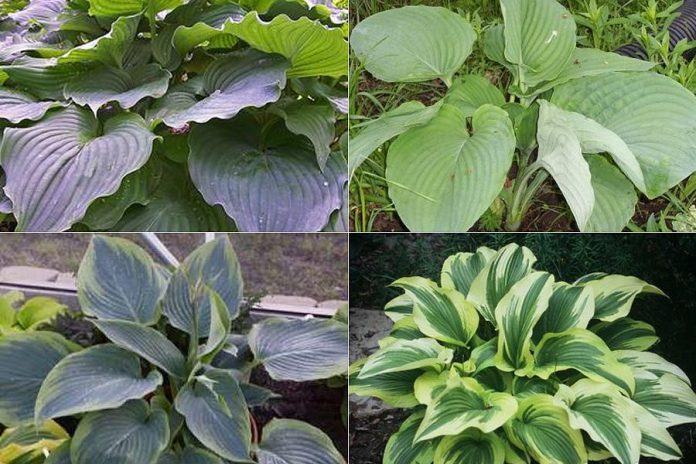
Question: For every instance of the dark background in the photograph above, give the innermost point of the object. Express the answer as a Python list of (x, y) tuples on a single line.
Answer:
[(665, 260)]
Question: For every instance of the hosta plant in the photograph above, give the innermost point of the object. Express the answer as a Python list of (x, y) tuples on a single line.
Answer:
[(604, 127), (172, 383), (173, 115), (500, 362), (18, 315)]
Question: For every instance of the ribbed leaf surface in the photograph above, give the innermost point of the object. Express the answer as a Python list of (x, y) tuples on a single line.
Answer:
[(450, 189), (42, 78), (650, 365), (460, 270), (63, 160), (583, 351), (387, 126), (402, 447), (25, 360), (217, 417), (131, 433), (406, 355), (465, 404), (288, 441), (541, 427), (648, 112), (656, 440), (394, 388), (300, 349), (471, 446), (146, 342), (119, 280), (569, 306), (316, 122), (443, 314), (263, 184), (668, 398), (17, 106), (615, 196), (124, 87), (614, 294), (100, 377), (539, 39), (600, 410), (510, 265), (626, 334), (232, 83), (213, 265), (190, 455), (312, 48), (413, 44)]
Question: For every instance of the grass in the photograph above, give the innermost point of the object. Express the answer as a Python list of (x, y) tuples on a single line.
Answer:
[(605, 24), (312, 265)]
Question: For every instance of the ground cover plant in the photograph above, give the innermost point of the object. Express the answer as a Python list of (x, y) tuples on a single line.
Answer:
[(490, 109), (172, 384), (500, 363), (173, 115)]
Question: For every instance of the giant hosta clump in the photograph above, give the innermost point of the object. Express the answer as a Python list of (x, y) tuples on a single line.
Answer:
[(603, 126), (502, 363), (172, 383), (118, 115)]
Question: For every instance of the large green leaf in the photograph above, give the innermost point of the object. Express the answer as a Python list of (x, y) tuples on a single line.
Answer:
[(107, 8), (541, 427), (312, 48), (146, 342), (592, 62), (614, 294), (470, 92), (25, 360), (131, 433), (406, 355), (465, 404), (217, 415), (265, 182), (174, 204), (42, 78), (126, 87), (472, 445), (443, 314), (190, 455), (38, 310), (394, 388), (510, 265), (16, 106), (289, 441), (300, 349), (232, 83), (656, 440), (314, 121), (212, 265), (453, 186), (563, 137), (605, 414), (119, 280), (209, 25), (569, 306), (650, 365), (459, 271), (615, 196), (109, 49), (583, 351), (626, 334), (387, 126), (516, 314), (219, 327), (413, 44), (402, 446), (65, 160), (668, 398), (100, 377), (539, 39), (648, 112)]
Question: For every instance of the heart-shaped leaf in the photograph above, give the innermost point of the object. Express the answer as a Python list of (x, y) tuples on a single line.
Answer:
[(316, 122), (63, 160), (130, 433), (100, 377), (413, 43), (288, 441)]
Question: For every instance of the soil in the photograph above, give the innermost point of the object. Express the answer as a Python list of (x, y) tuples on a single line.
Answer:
[(312, 402), (369, 435)]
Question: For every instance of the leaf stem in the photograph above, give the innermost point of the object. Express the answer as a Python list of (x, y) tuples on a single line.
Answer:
[(523, 191)]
